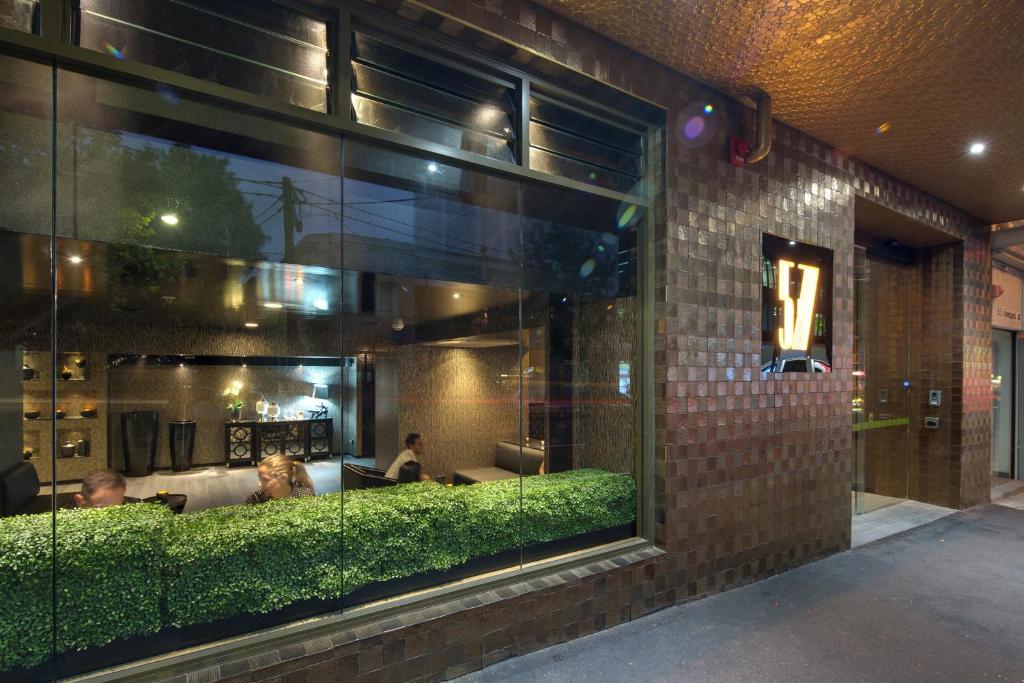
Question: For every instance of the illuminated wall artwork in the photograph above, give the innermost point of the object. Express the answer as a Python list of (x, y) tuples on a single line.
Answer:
[(796, 310)]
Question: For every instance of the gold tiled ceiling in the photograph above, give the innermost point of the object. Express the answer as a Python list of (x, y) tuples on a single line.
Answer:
[(940, 73)]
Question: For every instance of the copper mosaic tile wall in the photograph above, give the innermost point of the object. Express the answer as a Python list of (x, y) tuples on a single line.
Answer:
[(463, 401), (752, 476)]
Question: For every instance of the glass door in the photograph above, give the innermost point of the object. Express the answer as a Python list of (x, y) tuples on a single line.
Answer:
[(1002, 403), (881, 369)]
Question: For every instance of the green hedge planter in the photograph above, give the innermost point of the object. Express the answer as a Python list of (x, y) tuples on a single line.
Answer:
[(109, 564), (132, 570)]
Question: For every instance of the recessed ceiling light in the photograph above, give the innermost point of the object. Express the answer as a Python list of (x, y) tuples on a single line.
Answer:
[(456, 295), (251, 325), (75, 259), (272, 304), (792, 243), (169, 219), (977, 147), (432, 167)]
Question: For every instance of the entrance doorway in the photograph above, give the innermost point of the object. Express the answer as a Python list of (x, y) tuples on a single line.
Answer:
[(881, 370), (905, 351)]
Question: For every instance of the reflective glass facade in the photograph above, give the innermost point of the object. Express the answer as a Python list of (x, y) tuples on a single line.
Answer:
[(256, 371)]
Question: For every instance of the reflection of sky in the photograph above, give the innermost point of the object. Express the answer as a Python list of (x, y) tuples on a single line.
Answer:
[(429, 220)]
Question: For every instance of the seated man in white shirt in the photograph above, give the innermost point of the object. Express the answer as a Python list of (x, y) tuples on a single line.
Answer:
[(414, 450)]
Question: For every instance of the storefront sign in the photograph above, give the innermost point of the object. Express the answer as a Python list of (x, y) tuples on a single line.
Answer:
[(796, 324), (795, 332), (1007, 300)]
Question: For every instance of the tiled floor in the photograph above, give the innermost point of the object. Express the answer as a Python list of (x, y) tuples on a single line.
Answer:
[(215, 485), (893, 519)]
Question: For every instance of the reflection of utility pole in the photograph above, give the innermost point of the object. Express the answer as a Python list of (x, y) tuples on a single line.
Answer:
[(289, 217)]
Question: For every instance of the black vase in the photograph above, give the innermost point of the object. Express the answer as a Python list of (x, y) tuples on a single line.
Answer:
[(183, 443), (138, 437)]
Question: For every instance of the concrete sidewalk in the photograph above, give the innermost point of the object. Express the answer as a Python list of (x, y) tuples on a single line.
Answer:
[(943, 602)]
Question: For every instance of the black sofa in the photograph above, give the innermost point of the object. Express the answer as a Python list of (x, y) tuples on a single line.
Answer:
[(19, 493), (360, 477), (506, 464)]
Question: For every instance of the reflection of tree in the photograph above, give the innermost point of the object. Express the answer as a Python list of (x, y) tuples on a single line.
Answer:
[(118, 192)]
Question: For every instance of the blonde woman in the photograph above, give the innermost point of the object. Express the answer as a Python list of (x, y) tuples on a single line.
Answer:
[(281, 477)]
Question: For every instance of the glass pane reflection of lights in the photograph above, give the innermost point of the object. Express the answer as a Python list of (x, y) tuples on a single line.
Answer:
[(251, 319)]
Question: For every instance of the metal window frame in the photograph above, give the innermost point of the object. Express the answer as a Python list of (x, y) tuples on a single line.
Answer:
[(53, 46)]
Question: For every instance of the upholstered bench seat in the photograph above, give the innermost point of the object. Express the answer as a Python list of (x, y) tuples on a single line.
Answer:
[(506, 465)]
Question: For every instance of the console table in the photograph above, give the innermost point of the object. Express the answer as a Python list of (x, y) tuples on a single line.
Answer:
[(246, 442)]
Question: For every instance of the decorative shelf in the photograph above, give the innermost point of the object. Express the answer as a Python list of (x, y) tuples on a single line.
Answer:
[(60, 419)]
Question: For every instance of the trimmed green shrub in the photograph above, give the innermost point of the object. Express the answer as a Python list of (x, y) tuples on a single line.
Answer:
[(133, 569), (108, 563), (403, 530), (252, 558), (26, 586)]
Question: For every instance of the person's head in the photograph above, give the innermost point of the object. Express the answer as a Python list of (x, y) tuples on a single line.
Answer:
[(277, 474), (414, 442), (101, 489)]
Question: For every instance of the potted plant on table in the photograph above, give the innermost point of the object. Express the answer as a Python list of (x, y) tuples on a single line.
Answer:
[(235, 404)]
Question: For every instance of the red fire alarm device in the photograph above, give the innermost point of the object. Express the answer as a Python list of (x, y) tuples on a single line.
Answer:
[(738, 148)]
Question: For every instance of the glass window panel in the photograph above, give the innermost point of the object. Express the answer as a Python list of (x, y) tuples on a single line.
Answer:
[(559, 142), (432, 267), (566, 142), (263, 48), (20, 15), (26, 392), (404, 92), (554, 115), (199, 298), (381, 115), (581, 317), (567, 167)]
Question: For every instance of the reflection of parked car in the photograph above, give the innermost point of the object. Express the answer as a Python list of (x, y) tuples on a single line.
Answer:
[(795, 365)]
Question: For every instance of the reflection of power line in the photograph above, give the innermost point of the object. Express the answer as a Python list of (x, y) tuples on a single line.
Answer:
[(406, 234), (293, 197)]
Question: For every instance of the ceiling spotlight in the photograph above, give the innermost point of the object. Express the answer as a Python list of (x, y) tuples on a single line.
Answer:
[(432, 167), (792, 243), (977, 148), (169, 219), (252, 325), (708, 108), (272, 304), (75, 259), (456, 295)]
